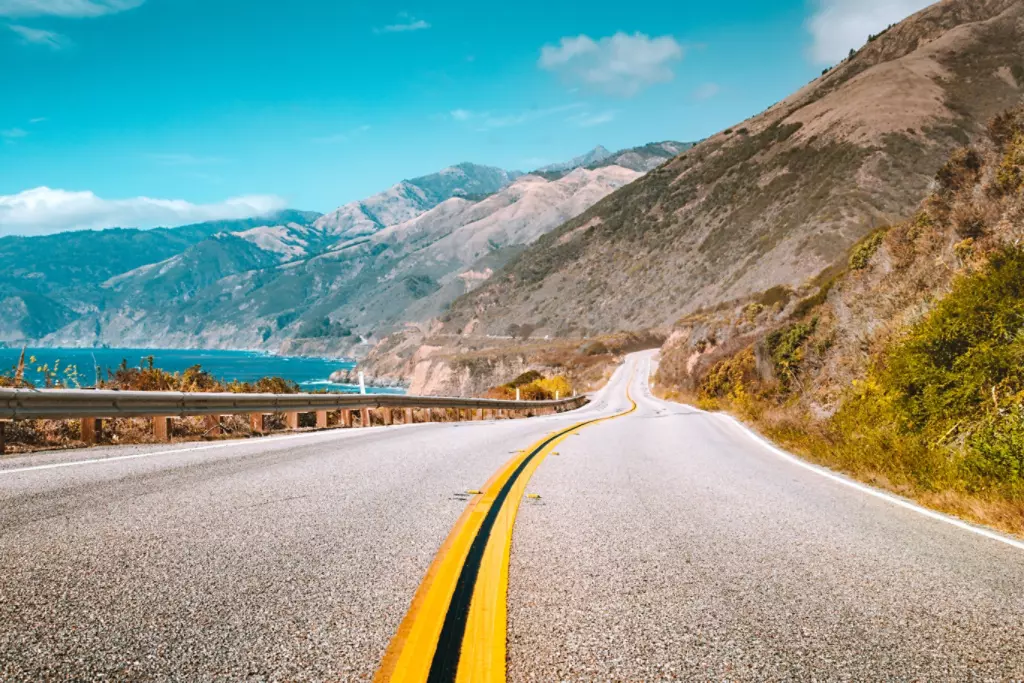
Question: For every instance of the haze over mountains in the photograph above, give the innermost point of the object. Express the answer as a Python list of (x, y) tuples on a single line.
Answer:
[(298, 280)]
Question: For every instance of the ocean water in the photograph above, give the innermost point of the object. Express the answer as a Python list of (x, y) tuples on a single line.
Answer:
[(312, 374)]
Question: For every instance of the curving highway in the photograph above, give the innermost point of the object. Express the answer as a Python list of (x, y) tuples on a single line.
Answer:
[(632, 540)]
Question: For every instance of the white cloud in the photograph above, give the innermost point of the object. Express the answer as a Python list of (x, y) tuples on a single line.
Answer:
[(75, 9), (486, 120), (837, 26), (405, 24), (38, 119), (706, 91), (54, 41), (343, 137), (620, 65), (588, 120), (13, 133), (43, 210)]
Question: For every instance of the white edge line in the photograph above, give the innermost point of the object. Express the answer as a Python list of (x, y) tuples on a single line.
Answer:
[(863, 488)]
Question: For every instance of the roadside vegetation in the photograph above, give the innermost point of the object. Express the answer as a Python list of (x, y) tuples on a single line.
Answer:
[(30, 435), (533, 386), (907, 368)]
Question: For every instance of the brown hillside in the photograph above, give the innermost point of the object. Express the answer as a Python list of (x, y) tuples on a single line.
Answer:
[(774, 200)]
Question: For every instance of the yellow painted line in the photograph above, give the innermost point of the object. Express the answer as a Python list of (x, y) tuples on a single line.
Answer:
[(481, 657)]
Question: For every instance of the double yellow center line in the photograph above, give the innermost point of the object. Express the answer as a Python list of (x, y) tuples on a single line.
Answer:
[(455, 629)]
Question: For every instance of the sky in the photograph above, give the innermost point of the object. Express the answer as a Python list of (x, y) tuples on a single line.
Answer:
[(139, 113)]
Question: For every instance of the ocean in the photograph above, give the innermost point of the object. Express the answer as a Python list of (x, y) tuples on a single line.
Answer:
[(312, 374)]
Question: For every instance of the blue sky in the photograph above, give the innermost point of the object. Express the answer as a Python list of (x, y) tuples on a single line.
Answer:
[(167, 111)]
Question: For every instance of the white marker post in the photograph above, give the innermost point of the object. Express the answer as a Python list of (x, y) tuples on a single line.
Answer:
[(557, 397), (362, 383), (517, 394)]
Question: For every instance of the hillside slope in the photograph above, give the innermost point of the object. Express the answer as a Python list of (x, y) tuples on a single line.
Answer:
[(906, 369), (774, 200), (50, 281)]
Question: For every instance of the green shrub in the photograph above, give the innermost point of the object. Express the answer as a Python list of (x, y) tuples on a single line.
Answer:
[(864, 250), (780, 294), (971, 345), (961, 171), (998, 446), (943, 407), (786, 349), (1010, 176), (728, 379)]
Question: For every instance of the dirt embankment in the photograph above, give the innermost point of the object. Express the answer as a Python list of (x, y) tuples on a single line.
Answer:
[(465, 365)]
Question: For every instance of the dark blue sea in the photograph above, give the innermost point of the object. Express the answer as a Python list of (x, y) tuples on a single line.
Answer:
[(312, 374)]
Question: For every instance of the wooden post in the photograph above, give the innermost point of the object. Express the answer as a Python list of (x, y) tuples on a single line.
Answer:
[(364, 417), (3, 443), (408, 416), (162, 428), (213, 427), (389, 416), (92, 430), (479, 414), (291, 420), (430, 414), (258, 422), (346, 418), (321, 419)]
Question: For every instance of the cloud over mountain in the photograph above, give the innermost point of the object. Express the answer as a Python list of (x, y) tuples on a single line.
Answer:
[(44, 210), (620, 65), (837, 26)]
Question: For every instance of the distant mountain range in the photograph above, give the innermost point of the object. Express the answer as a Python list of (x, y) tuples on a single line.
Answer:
[(299, 281)]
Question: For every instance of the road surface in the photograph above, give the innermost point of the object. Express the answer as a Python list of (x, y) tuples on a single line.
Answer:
[(664, 543)]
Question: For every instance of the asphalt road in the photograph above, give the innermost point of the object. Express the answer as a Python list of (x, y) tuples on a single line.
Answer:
[(667, 543)]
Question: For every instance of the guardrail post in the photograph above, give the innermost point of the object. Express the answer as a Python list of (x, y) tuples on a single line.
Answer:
[(258, 422), (321, 419), (3, 443), (346, 418), (162, 428), (389, 416), (213, 427), (92, 429), (408, 416), (479, 414), (430, 414), (364, 417), (291, 420)]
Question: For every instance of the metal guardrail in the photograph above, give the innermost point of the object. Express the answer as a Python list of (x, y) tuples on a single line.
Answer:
[(56, 404)]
